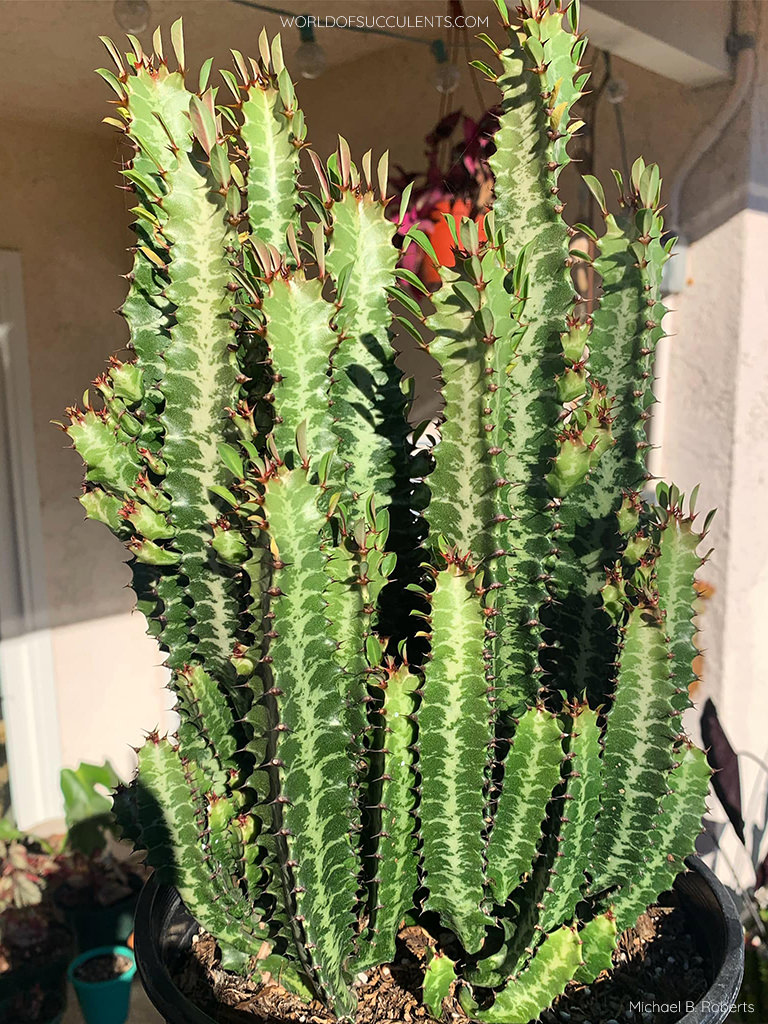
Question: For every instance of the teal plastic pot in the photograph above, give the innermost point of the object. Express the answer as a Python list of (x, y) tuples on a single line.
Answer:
[(104, 1002)]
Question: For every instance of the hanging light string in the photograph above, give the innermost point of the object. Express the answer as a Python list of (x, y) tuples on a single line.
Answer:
[(617, 101), (458, 10), (456, 37)]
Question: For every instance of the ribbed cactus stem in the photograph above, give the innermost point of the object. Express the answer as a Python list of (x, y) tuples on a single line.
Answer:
[(454, 742)]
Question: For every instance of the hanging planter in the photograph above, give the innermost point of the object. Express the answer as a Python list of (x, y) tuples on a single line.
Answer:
[(102, 980), (457, 181)]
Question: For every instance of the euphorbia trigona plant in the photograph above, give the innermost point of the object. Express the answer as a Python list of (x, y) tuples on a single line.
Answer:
[(527, 783)]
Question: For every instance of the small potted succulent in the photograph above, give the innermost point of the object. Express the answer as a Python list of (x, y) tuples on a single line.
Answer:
[(430, 757), (97, 885), (35, 944), (101, 978)]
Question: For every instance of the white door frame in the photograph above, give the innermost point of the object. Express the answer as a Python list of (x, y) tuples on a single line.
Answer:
[(27, 680)]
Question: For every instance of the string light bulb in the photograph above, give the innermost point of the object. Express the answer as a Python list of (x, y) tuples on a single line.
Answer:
[(131, 15), (446, 75), (310, 59), (616, 90)]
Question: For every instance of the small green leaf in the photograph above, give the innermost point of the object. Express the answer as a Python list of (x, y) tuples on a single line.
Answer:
[(382, 173), (485, 69), (405, 300), (342, 281), (203, 123), (231, 460), (585, 229), (405, 198), (694, 496), (388, 563), (410, 328), (231, 83), (205, 74), (502, 7), (285, 87), (86, 809), (412, 279), (153, 257), (157, 43), (417, 235), (450, 221), (638, 169), (485, 38), (373, 651), (113, 82), (648, 185), (596, 189), (113, 52), (177, 41), (468, 295), (82, 799), (535, 49), (234, 201), (147, 185), (439, 976), (264, 48), (220, 164), (278, 64), (225, 494)]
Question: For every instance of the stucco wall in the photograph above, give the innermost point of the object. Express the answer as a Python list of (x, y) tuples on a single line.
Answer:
[(60, 208)]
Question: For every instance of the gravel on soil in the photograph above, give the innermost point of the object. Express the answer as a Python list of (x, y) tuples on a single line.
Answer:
[(105, 967), (657, 972)]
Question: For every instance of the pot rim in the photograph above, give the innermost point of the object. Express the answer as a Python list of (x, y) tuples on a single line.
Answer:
[(727, 981), (91, 954)]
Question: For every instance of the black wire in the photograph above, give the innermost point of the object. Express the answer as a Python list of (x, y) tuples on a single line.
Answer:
[(619, 127), (622, 143), (591, 104)]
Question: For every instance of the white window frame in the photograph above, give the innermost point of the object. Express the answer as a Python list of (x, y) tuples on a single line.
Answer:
[(27, 678)]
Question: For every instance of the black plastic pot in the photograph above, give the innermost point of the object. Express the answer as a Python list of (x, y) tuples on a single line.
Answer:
[(164, 930)]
